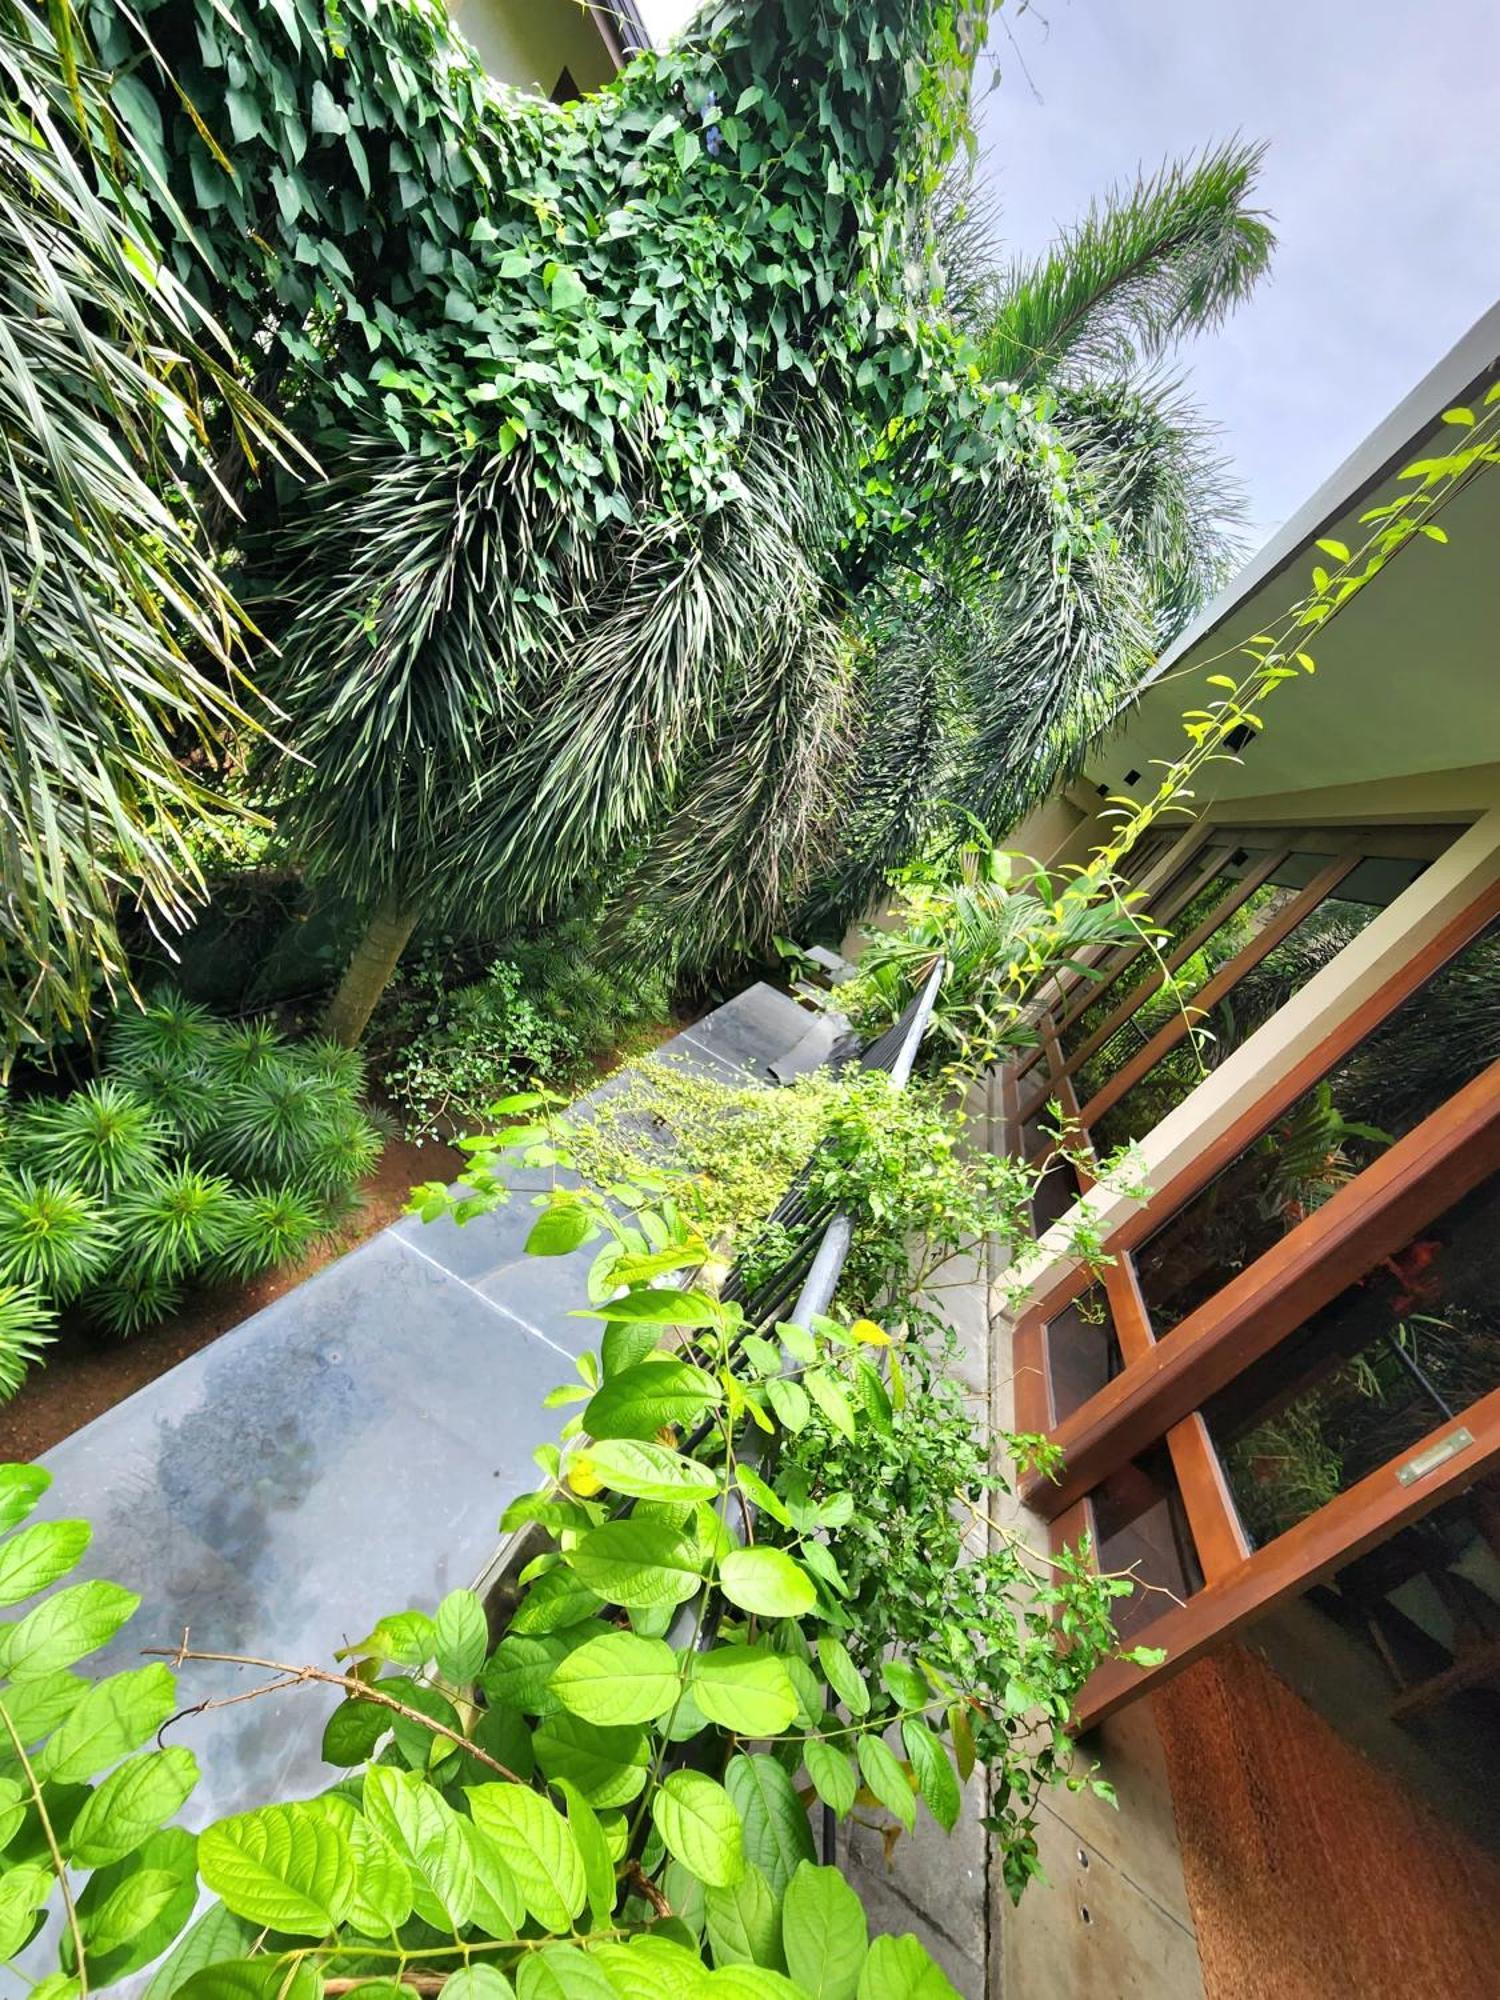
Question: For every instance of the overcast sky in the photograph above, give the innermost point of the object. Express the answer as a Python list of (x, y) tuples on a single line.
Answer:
[(1383, 177)]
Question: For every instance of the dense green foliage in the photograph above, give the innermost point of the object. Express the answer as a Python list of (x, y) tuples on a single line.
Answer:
[(120, 646), (626, 407), (541, 1013), (204, 1150)]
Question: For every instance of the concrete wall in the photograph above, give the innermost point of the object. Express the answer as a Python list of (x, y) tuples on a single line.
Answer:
[(528, 43)]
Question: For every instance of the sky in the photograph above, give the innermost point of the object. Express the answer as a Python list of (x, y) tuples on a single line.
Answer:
[(1382, 176)]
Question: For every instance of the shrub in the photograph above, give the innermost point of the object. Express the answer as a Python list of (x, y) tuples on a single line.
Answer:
[(541, 1015), (266, 1226), (52, 1235), (25, 1329), (209, 1148), (101, 1138)]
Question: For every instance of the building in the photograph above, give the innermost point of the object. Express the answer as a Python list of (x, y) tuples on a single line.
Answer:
[(1281, 1403)]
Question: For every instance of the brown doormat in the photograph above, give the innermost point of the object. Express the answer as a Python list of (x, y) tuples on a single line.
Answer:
[(1310, 1873)]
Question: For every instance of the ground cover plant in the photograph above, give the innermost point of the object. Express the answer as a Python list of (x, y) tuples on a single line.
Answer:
[(204, 1149)]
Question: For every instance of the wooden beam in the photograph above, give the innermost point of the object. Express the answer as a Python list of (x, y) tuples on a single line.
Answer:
[(1406, 977), (1218, 1536), (1315, 1549), (1371, 1217)]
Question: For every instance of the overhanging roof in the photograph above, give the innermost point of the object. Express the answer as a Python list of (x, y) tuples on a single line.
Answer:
[(1408, 677)]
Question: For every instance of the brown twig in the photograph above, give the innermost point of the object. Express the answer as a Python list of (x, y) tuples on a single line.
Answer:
[(418, 1982), (289, 1676), (635, 1877)]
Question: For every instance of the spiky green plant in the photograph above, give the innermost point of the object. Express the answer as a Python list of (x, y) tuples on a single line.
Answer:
[(271, 1124), (173, 1222), (348, 1148), (179, 1093), (132, 1298), (167, 1030), (53, 1235), (245, 1049), (26, 1323), (324, 1057), (269, 1226), (101, 1138)]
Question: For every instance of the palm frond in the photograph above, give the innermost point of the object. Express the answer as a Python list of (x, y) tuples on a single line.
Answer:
[(1170, 255)]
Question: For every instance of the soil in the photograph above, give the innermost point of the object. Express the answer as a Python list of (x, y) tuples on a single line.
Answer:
[(88, 1371)]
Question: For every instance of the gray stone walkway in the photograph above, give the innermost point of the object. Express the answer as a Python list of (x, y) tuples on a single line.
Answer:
[(346, 1452)]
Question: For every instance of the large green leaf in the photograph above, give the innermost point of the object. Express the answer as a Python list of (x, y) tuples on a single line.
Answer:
[(935, 1777), (618, 1678), (823, 1933), (38, 1556), (424, 1829), (608, 1766), (289, 1867), (842, 1675), (382, 1899), (659, 1308), (21, 1486), (218, 1935), (777, 1832), (750, 1982), (141, 1922), (64, 1627), (767, 1582), (477, 1982), (539, 1846), (498, 1908), (554, 1602), (593, 1845), (744, 1922), (645, 1399), (701, 1826), (272, 1978), (898, 1968), (518, 1674), (648, 1471), (638, 1561), (831, 1769), (23, 1891), (746, 1689), (131, 1804), (563, 1972), (115, 1717), (883, 1773), (462, 1637)]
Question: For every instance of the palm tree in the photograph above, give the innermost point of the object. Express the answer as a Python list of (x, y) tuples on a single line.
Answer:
[(120, 646), (976, 695)]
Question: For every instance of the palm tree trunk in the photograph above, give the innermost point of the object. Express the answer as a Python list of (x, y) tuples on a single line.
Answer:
[(369, 970)]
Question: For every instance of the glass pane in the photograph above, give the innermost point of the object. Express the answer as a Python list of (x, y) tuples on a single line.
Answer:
[(1400, 1652), (1253, 999), (1398, 1353), (1193, 914), (1428, 1048), (1142, 1527), (1082, 1351)]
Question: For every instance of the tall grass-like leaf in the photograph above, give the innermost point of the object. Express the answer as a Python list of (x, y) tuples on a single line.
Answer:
[(53, 1236), (25, 1329), (101, 1138), (122, 643), (268, 1226), (174, 1222)]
